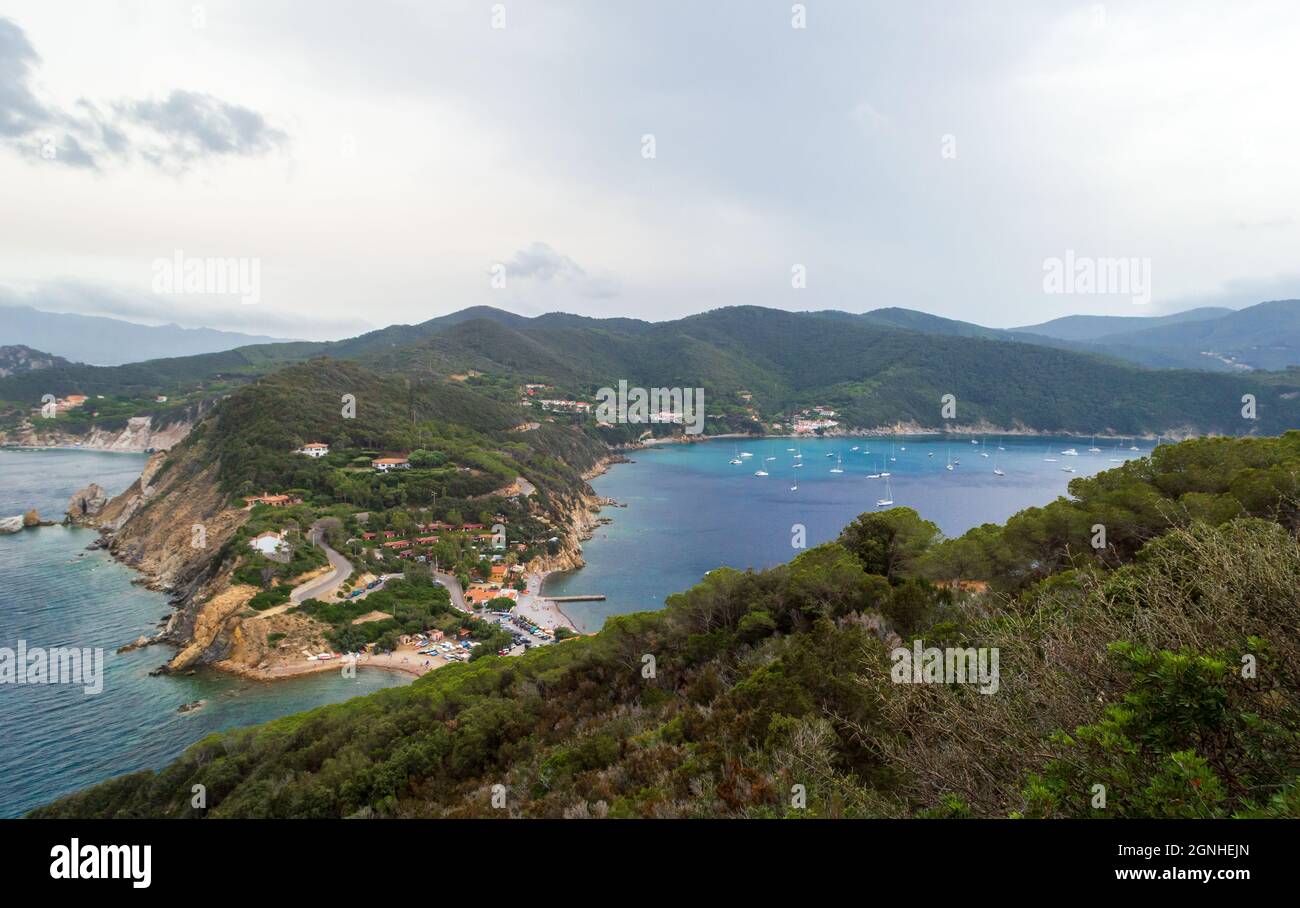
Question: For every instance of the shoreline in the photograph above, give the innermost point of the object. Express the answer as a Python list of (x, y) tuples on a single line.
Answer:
[(896, 432), (97, 450), (286, 670)]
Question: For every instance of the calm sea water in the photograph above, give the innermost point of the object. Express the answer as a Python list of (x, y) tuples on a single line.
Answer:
[(689, 510), (56, 738)]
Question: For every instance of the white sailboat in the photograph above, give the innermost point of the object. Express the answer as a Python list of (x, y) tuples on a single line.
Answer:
[(1049, 458), (1094, 449), (795, 487), (889, 496), (760, 472), (892, 458), (1067, 469), (839, 466), (736, 459), (997, 471), (950, 467), (983, 453)]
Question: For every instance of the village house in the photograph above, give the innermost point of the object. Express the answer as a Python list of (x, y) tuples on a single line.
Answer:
[(268, 543), (384, 464), (477, 596), (314, 449)]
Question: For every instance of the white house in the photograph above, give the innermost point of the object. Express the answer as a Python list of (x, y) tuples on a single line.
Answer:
[(267, 543), (384, 464), (314, 449)]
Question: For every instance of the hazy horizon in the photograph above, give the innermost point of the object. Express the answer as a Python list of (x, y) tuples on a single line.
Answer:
[(646, 161)]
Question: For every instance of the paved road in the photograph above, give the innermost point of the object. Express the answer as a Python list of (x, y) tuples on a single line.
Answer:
[(324, 584), (453, 587)]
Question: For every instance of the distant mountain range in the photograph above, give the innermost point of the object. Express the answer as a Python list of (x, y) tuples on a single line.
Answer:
[(1212, 339), (101, 341), (1264, 336), (868, 367)]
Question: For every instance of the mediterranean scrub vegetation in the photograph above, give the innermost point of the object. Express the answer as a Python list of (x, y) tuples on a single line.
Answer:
[(1157, 677)]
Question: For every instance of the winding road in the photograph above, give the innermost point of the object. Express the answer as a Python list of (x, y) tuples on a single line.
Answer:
[(454, 588), (322, 585)]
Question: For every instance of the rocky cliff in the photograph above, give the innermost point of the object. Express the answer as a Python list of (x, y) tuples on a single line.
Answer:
[(138, 435), (171, 524)]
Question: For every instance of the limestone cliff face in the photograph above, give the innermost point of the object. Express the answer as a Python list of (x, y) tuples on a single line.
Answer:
[(139, 435)]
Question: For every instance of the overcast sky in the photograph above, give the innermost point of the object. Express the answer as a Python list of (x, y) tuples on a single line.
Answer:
[(378, 160)]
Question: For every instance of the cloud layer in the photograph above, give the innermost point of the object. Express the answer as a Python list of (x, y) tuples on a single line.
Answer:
[(170, 134)]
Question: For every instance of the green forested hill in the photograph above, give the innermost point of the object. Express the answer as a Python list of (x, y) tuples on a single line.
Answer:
[(1167, 671), (253, 433), (874, 373)]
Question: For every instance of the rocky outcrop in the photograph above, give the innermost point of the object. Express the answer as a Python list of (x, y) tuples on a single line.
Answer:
[(11, 524), (86, 504)]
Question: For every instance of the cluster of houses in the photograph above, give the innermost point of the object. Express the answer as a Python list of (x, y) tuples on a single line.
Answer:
[(404, 548), (317, 449), (813, 420), (566, 406)]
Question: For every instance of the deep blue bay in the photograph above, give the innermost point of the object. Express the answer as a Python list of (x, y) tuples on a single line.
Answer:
[(690, 510)]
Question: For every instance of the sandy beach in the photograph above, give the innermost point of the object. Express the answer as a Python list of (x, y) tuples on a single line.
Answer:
[(540, 610)]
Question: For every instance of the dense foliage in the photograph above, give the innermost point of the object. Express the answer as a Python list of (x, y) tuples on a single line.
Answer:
[(1160, 680)]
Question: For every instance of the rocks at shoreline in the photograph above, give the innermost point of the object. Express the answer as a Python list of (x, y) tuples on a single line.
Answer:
[(85, 504), (22, 522)]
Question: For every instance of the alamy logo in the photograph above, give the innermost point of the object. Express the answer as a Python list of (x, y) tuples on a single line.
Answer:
[(189, 274), (953, 665), (56, 665), (657, 405), (1129, 277), (75, 861)]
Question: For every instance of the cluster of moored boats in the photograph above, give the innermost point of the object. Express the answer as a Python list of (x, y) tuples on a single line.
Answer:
[(797, 463)]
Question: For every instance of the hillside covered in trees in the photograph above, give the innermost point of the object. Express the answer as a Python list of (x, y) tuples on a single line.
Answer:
[(1155, 676), (874, 370)]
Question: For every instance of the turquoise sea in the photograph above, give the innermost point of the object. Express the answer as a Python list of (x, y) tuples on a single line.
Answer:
[(57, 739), (690, 510)]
